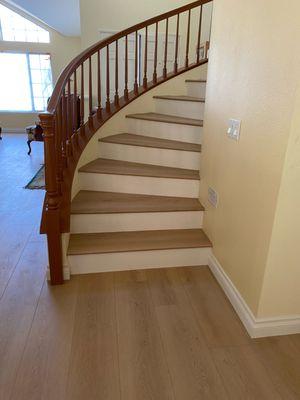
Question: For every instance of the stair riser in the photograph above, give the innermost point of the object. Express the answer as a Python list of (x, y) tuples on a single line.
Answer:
[(185, 109), (162, 130), (95, 263), (196, 89), (148, 155), (95, 223), (139, 185)]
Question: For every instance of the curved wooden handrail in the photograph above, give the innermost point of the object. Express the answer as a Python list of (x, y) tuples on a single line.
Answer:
[(77, 61), (68, 126)]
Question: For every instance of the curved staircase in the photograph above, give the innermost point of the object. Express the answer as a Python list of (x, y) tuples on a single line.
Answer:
[(139, 207)]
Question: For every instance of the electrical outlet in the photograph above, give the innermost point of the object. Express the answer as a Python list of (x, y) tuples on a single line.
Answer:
[(213, 197), (234, 129)]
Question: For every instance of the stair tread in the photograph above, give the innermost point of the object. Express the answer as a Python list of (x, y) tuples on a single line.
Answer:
[(148, 141), (180, 98), (116, 167), (115, 242), (171, 119), (196, 80), (90, 202)]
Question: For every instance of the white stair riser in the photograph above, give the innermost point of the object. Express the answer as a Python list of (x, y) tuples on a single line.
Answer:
[(185, 109), (93, 223), (95, 263), (196, 89), (139, 185), (149, 155), (162, 130)]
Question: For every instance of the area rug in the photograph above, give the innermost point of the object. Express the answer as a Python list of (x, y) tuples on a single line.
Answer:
[(38, 181)]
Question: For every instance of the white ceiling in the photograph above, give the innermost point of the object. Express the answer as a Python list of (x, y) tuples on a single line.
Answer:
[(62, 15)]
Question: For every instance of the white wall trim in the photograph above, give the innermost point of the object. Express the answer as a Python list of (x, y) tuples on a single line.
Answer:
[(256, 327), (13, 130)]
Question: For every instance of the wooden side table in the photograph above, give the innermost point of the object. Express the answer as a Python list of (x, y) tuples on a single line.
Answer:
[(34, 134)]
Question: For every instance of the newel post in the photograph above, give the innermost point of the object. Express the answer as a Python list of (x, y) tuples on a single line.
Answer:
[(53, 200)]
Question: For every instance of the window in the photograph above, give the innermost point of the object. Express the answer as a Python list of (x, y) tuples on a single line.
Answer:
[(14, 28), (41, 80), (25, 81)]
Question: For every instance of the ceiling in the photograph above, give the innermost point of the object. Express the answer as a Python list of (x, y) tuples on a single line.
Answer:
[(62, 15)]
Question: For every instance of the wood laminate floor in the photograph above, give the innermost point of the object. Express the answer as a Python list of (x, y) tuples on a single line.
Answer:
[(156, 334)]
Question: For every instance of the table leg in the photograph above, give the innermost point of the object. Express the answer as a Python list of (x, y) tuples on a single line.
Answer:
[(29, 146)]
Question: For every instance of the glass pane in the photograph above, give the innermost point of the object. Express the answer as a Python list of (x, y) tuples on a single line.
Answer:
[(35, 61), (17, 28), (43, 37), (41, 76), (20, 36), (37, 90), (31, 36), (8, 34), (36, 76), (45, 61), (39, 104), (15, 92)]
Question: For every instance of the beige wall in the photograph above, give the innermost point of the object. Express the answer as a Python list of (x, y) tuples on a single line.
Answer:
[(253, 71), (103, 18), (62, 50), (117, 15), (281, 293)]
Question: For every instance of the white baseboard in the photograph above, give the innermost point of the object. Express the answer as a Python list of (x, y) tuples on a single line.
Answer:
[(13, 130), (66, 273), (256, 327)]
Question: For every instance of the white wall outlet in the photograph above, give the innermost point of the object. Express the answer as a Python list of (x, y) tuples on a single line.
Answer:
[(234, 129), (213, 197)]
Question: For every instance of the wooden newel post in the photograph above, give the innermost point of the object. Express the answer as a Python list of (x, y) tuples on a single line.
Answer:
[(53, 200)]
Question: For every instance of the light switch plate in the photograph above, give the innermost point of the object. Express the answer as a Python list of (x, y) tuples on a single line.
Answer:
[(213, 197), (234, 129)]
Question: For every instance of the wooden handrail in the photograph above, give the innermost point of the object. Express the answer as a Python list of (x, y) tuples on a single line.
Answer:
[(70, 122), (77, 61)]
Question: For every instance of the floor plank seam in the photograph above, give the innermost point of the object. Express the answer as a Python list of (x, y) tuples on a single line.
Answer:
[(17, 262), (117, 334), (192, 306), (27, 339), (161, 337), (71, 345)]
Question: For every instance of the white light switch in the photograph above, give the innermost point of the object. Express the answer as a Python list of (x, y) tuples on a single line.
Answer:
[(234, 129)]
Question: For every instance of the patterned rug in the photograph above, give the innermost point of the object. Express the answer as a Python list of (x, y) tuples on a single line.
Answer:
[(38, 181)]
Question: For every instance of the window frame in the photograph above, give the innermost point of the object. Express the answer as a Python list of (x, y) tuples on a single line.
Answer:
[(1, 34), (26, 17), (28, 53)]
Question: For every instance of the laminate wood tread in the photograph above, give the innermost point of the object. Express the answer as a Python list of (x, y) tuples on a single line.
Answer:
[(116, 167), (180, 98), (170, 119), (148, 141), (90, 202), (196, 80), (116, 242)]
